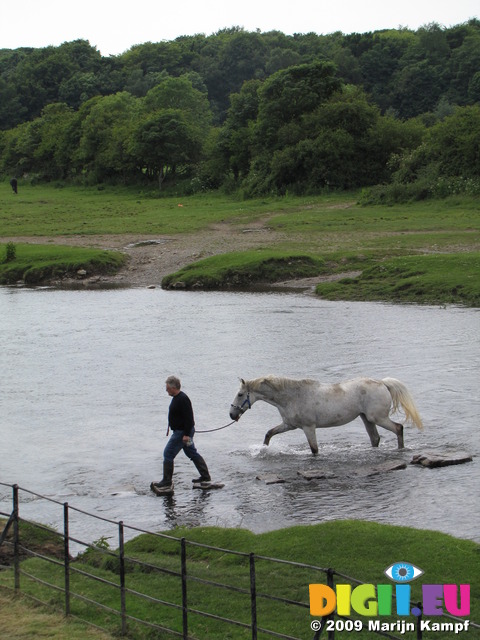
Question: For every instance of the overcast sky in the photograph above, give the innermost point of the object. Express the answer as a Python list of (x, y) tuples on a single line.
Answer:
[(113, 26)]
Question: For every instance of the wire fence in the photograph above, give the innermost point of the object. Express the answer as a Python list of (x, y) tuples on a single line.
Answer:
[(119, 593)]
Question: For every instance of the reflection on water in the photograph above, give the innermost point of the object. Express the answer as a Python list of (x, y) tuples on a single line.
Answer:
[(83, 407)]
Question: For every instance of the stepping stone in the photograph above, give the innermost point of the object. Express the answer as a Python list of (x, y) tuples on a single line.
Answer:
[(384, 468), (315, 475), (122, 491), (207, 487), (433, 460), (162, 491), (271, 478)]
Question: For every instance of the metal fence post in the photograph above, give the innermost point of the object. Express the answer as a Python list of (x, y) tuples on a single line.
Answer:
[(183, 548), (331, 633), (66, 560), (419, 622), (121, 552), (253, 596), (16, 538)]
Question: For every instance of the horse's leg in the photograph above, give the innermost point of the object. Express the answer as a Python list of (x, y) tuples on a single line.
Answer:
[(281, 428), (395, 427), (371, 430), (311, 434)]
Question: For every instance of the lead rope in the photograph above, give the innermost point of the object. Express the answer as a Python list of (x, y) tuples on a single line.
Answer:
[(217, 429)]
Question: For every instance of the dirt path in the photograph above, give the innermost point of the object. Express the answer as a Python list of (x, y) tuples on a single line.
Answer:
[(150, 258)]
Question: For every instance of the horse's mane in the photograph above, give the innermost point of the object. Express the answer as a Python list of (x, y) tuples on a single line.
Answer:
[(278, 383)]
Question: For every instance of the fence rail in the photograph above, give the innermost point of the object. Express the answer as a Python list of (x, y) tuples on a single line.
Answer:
[(186, 611)]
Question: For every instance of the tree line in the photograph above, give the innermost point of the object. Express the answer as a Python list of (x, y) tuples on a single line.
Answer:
[(261, 112)]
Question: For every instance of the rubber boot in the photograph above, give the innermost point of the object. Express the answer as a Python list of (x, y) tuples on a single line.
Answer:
[(166, 482), (202, 468)]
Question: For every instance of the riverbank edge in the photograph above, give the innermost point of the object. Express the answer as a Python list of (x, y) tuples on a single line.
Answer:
[(428, 280)]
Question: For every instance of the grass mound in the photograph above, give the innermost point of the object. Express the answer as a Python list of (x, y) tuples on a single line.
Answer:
[(243, 269), (36, 264)]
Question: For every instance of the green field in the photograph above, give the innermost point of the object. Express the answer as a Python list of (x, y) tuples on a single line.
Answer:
[(423, 252), (49, 211)]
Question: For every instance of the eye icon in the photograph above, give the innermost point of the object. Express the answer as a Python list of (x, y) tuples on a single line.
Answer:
[(402, 572)]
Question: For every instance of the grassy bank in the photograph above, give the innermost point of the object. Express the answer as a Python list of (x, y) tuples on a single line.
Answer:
[(35, 264), (402, 250), (453, 278), (246, 268), (426, 279), (362, 550)]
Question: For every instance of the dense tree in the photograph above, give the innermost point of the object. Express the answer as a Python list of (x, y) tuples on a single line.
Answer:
[(289, 94), (235, 141), (343, 143), (52, 152), (231, 58), (154, 57), (16, 150), (281, 58), (455, 143), (164, 141), (179, 93), (418, 89), (380, 63), (79, 88), (464, 67), (11, 110), (290, 112), (431, 44), (104, 148), (40, 73), (446, 162)]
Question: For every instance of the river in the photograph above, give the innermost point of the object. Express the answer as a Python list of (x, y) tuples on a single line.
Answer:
[(83, 407)]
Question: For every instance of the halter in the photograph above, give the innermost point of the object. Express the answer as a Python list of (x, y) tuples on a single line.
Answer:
[(246, 401)]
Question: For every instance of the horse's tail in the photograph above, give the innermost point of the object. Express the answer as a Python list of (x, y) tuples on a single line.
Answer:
[(401, 397)]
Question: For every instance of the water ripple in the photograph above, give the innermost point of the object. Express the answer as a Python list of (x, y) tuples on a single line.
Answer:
[(83, 413)]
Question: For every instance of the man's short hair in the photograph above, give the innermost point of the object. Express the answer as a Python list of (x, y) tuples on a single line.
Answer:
[(173, 381)]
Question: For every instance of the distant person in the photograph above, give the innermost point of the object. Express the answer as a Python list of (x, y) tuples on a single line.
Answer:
[(182, 424), (14, 185)]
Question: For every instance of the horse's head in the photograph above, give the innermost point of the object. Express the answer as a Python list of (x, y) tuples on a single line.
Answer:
[(241, 402)]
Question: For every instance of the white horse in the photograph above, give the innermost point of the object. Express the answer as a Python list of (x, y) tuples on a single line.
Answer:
[(309, 404)]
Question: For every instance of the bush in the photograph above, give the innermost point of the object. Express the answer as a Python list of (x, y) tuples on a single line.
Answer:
[(453, 186), (11, 252)]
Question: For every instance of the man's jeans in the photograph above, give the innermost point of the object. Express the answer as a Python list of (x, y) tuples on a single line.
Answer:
[(176, 444)]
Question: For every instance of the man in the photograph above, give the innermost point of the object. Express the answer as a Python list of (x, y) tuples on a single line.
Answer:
[(182, 424)]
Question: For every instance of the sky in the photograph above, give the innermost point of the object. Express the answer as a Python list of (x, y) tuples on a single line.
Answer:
[(113, 26)]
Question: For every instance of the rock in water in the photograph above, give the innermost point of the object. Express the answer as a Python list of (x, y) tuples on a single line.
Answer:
[(206, 486), (315, 475), (433, 460), (161, 491), (271, 478)]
